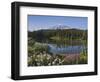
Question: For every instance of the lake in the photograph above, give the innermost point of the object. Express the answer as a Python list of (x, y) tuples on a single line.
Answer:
[(54, 49), (66, 48)]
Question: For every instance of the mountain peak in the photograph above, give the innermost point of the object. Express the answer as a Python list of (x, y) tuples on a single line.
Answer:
[(61, 27)]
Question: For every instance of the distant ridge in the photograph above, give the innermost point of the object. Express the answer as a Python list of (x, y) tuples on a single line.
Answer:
[(60, 27)]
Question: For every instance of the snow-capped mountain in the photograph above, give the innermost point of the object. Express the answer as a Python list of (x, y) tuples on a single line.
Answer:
[(60, 27)]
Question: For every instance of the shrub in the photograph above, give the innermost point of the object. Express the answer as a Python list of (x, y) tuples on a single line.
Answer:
[(83, 57)]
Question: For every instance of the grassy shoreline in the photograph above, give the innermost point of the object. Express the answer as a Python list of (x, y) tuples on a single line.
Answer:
[(38, 55)]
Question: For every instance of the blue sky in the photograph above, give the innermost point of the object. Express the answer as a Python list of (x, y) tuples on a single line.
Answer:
[(36, 22)]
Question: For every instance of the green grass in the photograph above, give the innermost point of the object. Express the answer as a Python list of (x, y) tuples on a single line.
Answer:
[(59, 38), (83, 57)]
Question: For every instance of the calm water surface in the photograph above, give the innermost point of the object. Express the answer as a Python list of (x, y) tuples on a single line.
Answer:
[(53, 48), (68, 47)]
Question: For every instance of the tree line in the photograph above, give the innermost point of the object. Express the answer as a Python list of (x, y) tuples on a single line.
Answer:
[(61, 33)]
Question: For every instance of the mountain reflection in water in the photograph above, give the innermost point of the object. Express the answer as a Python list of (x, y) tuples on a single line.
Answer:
[(65, 49)]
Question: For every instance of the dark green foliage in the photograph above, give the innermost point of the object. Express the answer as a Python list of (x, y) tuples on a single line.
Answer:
[(45, 35)]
